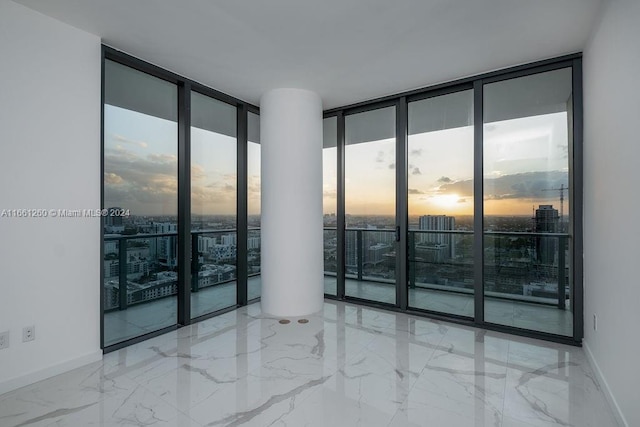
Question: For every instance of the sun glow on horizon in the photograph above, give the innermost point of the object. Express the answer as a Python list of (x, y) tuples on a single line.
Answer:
[(446, 200)]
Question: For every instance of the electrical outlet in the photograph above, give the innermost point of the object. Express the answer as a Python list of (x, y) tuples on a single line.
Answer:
[(4, 340), (595, 322), (28, 333)]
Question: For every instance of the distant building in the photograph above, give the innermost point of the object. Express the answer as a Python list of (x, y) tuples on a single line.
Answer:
[(444, 244), (230, 239), (112, 222), (433, 252), (136, 268), (213, 274), (164, 250), (164, 227), (375, 253), (165, 284), (206, 244), (114, 229), (351, 249), (374, 237), (375, 244), (546, 221), (223, 253), (110, 247), (112, 218), (253, 243)]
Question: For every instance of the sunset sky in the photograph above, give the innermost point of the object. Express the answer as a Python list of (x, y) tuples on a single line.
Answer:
[(522, 157), (141, 166)]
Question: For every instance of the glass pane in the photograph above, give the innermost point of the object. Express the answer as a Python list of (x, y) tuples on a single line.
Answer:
[(213, 204), (253, 206), (329, 202), (140, 189), (526, 197), (440, 200), (370, 197)]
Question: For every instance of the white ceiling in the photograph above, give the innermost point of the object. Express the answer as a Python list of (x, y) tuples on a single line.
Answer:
[(345, 50)]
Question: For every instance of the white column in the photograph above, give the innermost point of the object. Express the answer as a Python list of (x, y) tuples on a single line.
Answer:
[(292, 249)]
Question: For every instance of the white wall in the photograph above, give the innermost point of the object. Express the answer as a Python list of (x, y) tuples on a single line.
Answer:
[(49, 158), (612, 201)]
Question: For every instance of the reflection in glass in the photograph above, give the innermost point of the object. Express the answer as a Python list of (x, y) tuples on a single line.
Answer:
[(329, 203), (440, 202), (213, 204), (526, 197), (253, 206), (150, 301), (370, 196), (140, 178)]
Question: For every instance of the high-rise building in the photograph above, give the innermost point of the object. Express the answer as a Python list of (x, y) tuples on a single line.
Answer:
[(229, 239), (206, 243), (351, 249), (546, 221), (438, 223)]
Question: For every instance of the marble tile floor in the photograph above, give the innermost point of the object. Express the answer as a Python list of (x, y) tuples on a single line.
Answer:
[(348, 366)]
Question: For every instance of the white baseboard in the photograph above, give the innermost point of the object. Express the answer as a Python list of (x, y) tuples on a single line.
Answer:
[(605, 386), (42, 374)]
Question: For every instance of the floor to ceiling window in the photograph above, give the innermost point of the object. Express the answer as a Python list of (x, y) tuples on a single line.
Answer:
[(171, 150), (488, 169), (440, 203), (370, 203), (527, 204), (213, 205), (459, 201), (140, 193)]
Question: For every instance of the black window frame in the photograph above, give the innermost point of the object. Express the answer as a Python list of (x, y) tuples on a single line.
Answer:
[(400, 101), (475, 83), (185, 87)]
